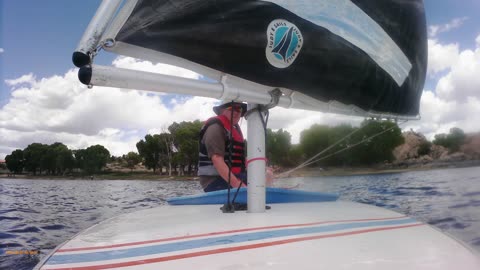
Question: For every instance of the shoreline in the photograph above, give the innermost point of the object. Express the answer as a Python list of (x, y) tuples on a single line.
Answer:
[(383, 169), (113, 175), (304, 172)]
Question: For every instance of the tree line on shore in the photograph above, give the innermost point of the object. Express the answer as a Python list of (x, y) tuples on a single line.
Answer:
[(176, 151)]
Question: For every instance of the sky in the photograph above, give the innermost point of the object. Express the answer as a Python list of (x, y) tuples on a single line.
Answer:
[(41, 99)]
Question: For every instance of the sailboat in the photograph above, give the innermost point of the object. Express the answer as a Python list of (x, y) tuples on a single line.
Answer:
[(353, 57)]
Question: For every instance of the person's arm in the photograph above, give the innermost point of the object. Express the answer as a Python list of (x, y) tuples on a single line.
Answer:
[(222, 169)]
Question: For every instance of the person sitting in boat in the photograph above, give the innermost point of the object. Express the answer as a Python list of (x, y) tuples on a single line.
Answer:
[(214, 154)]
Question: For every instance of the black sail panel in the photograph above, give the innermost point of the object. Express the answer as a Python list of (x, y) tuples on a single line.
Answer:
[(321, 53)]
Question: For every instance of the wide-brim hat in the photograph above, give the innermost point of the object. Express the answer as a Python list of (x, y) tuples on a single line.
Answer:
[(218, 109)]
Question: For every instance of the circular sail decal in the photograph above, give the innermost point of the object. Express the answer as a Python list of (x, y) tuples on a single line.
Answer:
[(284, 43)]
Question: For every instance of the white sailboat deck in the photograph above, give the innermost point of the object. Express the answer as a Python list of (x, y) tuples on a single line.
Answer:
[(327, 235)]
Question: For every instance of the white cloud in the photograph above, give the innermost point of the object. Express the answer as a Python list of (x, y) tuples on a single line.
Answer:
[(2, 50), (477, 41), (434, 113), (441, 57), (456, 99), (132, 63), (60, 108), (117, 142), (434, 30), (439, 115), (463, 80), (28, 79)]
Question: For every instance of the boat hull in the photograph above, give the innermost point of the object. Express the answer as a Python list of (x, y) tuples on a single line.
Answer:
[(338, 235)]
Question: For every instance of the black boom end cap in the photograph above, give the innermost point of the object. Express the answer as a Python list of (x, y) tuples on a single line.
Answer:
[(85, 74), (80, 59)]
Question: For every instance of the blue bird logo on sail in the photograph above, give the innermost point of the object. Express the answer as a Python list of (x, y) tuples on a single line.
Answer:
[(284, 43)]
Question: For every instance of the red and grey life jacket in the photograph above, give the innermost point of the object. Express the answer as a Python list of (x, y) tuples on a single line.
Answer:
[(205, 164)]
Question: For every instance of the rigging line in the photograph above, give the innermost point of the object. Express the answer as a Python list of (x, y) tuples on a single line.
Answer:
[(306, 163), (321, 152), (264, 123), (350, 146), (331, 146)]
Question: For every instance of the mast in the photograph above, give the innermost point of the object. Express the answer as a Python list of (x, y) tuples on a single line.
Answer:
[(256, 155)]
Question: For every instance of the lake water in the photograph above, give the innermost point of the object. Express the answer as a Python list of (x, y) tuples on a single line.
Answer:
[(41, 214)]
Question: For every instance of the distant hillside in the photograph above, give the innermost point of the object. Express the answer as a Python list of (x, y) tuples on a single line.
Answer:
[(472, 146), (411, 152)]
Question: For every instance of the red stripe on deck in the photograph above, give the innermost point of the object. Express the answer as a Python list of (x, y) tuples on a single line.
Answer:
[(218, 233), (230, 249)]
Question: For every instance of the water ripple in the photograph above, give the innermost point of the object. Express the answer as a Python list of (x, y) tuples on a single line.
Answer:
[(475, 241), (6, 235), (473, 203), (447, 199), (53, 227), (472, 194), (26, 230), (9, 218), (10, 245), (417, 188)]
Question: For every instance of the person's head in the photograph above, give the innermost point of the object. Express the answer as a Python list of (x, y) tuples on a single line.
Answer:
[(239, 109)]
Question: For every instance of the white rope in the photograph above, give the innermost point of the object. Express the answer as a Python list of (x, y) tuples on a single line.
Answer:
[(321, 152), (309, 161)]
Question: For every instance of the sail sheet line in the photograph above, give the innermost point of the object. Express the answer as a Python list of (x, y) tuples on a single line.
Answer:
[(309, 161), (312, 160), (353, 145)]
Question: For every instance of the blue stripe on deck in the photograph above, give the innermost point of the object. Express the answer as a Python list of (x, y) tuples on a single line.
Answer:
[(214, 241)]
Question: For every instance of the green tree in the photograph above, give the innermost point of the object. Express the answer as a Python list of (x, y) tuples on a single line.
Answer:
[(379, 148), (167, 151), (132, 159), (79, 156), (314, 140), (278, 147), (441, 139), (96, 157), (150, 150), (185, 136), (48, 160), (424, 148), (15, 161), (339, 139), (457, 137), (92, 159), (295, 154), (33, 156), (64, 160), (332, 142), (342, 149), (452, 141)]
